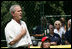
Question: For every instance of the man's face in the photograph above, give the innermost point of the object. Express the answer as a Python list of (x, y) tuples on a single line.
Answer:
[(51, 29), (57, 25), (18, 13)]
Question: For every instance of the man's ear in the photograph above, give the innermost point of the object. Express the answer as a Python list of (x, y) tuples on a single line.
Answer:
[(12, 13)]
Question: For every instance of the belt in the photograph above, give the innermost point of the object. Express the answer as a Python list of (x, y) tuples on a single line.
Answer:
[(22, 47)]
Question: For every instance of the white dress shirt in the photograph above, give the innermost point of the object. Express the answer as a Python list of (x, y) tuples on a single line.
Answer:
[(60, 32), (63, 29), (13, 29)]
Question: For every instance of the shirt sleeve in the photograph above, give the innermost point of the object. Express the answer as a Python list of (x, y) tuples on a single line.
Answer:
[(9, 34)]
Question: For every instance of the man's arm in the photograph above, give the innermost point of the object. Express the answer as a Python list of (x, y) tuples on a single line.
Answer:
[(53, 43), (38, 35), (18, 37)]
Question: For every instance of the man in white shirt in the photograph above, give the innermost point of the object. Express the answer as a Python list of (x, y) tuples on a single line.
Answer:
[(58, 28), (60, 32), (16, 31)]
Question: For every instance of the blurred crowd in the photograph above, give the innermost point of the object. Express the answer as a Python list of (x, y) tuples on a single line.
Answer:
[(57, 34)]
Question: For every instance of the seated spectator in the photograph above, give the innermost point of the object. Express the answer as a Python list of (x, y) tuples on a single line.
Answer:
[(38, 32), (68, 33), (41, 30), (58, 29), (45, 42), (63, 25), (68, 37), (54, 37)]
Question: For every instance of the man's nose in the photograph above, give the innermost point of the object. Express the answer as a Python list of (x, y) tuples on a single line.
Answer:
[(20, 12)]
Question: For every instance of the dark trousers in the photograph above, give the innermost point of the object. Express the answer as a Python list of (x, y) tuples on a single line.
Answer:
[(23, 47)]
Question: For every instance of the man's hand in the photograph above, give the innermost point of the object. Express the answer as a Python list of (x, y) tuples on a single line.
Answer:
[(23, 31), (19, 36), (53, 43), (66, 42)]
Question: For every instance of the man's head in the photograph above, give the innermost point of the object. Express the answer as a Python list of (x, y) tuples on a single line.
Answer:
[(45, 42), (16, 12), (57, 24), (62, 21), (51, 28)]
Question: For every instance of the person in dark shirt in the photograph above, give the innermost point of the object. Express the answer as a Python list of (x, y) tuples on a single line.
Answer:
[(55, 38), (68, 37), (41, 30), (68, 33), (38, 32)]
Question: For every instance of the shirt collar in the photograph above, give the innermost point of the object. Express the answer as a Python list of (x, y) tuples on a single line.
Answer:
[(15, 21), (51, 35)]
